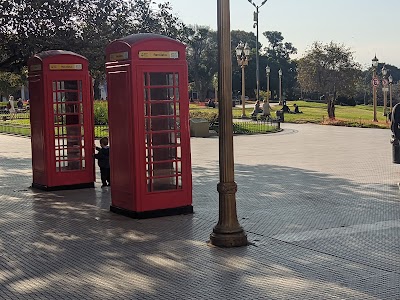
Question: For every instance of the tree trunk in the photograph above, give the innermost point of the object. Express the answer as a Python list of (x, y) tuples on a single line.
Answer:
[(202, 91), (201, 95), (96, 88), (331, 105)]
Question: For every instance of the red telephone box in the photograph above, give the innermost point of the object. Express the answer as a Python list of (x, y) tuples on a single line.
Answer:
[(147, 85), (61, 110)]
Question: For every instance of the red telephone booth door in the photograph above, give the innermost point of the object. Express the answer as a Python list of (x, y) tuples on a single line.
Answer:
[(166, 166), (70, 114)]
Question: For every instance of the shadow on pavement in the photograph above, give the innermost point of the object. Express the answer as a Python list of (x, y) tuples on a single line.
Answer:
[(66, 244)]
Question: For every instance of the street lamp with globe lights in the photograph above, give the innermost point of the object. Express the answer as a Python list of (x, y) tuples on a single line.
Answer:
[(384, 88), (390, 93), (375, 63), (255, 25), (242, 56), (280, 87), (268, 71)]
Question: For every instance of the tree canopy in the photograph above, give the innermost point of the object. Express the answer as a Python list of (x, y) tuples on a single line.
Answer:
[(87, 26), (277, 54), (328, 69), (202, 58), (31, 26)]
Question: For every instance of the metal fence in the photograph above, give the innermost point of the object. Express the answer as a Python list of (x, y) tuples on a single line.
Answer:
[(100, 131), (248, 126), (239, 127), (25, 130), (5, 115), (12, 128)]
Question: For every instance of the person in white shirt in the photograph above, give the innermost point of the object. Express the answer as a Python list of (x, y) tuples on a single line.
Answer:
[(266, 109), (11, 107)]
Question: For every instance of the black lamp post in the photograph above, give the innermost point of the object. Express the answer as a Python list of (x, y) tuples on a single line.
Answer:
[(242, 56), (375, 63), (255, 25)]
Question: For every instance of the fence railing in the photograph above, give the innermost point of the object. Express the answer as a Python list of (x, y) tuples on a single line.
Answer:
[(25, 130), (251, 126), (239, 127), (100, 131), (17, 116), (13, 128)]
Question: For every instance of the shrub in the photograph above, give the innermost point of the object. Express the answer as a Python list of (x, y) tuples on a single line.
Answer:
[(211, 116), (100, 112), (346, 101)]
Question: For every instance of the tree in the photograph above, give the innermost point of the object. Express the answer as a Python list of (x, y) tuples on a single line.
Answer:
[(9, 83), (329, 69), (107, 20), (85, 27), (31, 26), (277, 49), (202, 58), (277, 56)]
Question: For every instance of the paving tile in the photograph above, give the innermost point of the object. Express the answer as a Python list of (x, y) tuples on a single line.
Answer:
[(320, 205)]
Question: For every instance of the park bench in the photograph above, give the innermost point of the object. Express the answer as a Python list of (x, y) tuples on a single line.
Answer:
[(260, 117), (21, 110)]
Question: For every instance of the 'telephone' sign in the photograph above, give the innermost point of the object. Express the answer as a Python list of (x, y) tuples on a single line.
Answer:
[(35, 68), (159, 54), (118, 56), (57, 67)]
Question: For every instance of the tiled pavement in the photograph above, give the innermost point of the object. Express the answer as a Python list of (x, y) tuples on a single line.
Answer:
[(319, 203)]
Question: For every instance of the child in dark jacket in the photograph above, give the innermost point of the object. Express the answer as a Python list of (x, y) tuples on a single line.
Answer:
[(103, 161)]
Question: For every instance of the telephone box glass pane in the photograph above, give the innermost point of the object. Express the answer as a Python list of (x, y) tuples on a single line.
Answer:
[(160, 109), (68, 125), (166, 138), (162, 79), (161, 124), (157, 94)]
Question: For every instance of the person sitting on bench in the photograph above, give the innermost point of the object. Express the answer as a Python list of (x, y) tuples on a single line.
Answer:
[(257, 109), (211, 103)]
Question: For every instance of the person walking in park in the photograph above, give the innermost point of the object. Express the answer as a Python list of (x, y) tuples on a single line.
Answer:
[(266, 109), (11, 107), (103, 160)]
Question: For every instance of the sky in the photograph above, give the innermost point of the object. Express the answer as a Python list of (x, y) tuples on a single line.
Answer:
[(365, 26)]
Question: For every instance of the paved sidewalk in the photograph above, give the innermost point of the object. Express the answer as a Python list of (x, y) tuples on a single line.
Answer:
[(320, 203)]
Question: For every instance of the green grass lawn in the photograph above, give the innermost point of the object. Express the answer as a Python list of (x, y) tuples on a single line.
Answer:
[(15, 128), (314, 112)]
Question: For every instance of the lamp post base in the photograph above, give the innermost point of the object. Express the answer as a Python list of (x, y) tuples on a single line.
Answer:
[(228, 240)]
